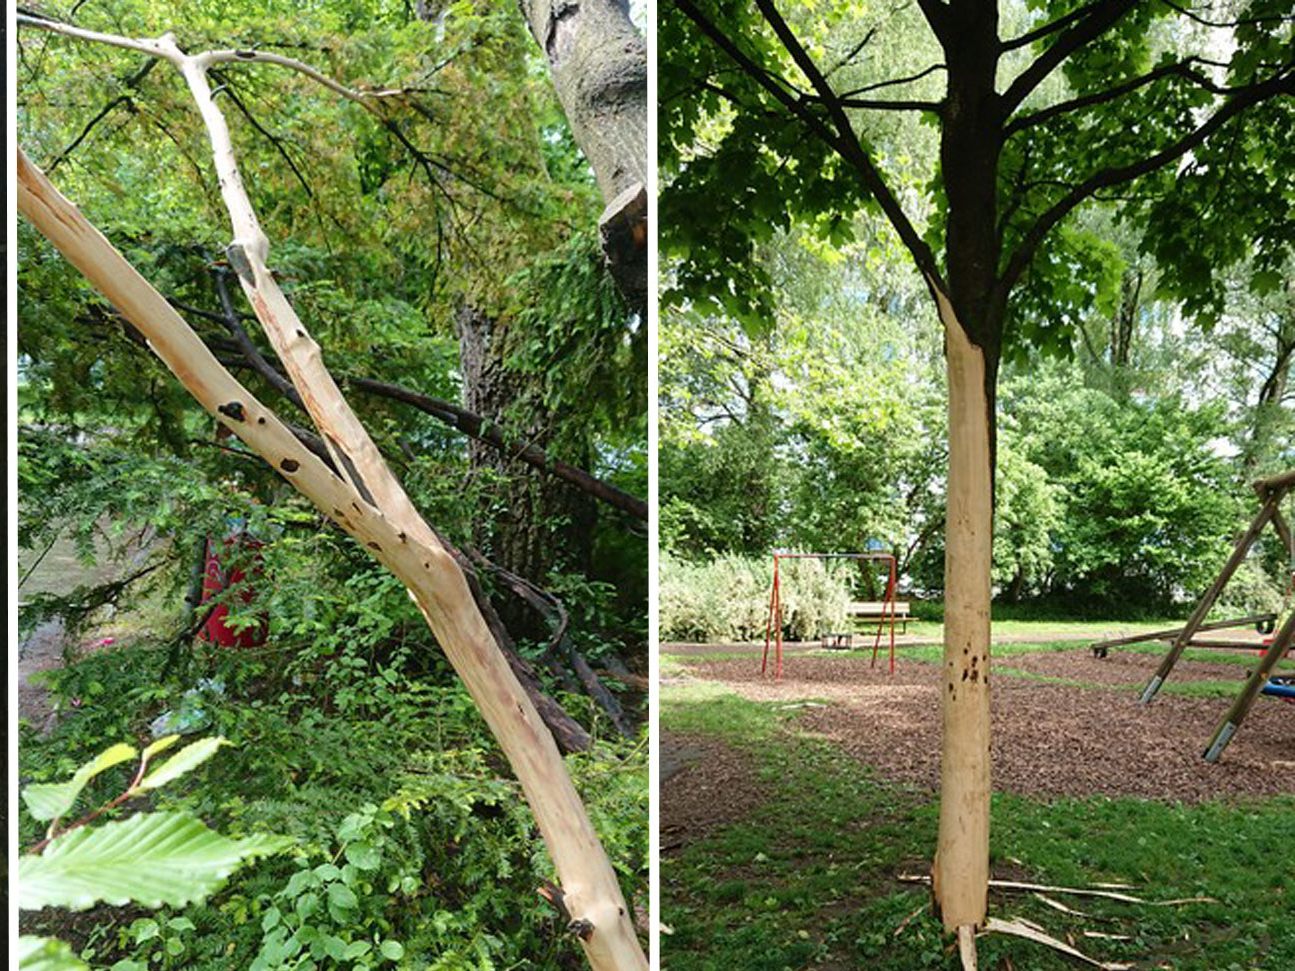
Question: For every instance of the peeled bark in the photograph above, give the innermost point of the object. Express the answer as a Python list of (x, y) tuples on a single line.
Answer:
[(960, 873), (598, 63)]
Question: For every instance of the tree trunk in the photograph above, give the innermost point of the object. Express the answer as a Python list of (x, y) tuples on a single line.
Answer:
[(542, 522), (960, 874), (972, 313), (598, 63)]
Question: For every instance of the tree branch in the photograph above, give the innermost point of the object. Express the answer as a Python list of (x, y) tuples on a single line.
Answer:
[(131, 82), (1047, 29), (893, 81), (455, 416), (1177, 68), (843, 142), (935, 107), (1283, 83), (1098, 18)]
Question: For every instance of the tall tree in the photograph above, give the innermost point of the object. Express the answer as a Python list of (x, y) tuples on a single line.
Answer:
[(768, 117), (598, 63)]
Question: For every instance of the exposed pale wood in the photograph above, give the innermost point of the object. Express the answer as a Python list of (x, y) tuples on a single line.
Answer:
[(413, 554), (1109, 891), (967, 947), (960, 872), (1032, 932)]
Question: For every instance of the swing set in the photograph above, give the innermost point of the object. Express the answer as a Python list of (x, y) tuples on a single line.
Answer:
[(886, 616), (1262, 680)]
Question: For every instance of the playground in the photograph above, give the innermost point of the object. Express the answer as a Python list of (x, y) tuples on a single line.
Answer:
[(796, 811), (1107, 738)]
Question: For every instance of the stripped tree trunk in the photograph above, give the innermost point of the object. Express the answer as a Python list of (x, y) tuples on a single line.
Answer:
[(960, 873), (598, 63)]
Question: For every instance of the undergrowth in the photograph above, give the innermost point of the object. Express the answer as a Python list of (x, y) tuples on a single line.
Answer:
[(367, 760)]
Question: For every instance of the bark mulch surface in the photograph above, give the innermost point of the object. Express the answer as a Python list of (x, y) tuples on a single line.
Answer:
[(1048, 740), (705, 785)]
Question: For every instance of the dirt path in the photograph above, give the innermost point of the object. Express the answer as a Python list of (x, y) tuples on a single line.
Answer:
[(865, 643), (705, 785), (1048, 740)]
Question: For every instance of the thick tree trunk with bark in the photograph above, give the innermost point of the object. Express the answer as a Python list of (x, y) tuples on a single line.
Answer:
[(598, 63), (542, 522)]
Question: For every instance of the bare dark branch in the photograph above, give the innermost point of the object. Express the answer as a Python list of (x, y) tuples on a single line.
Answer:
[(1181, 69), (131, 83), (1117, 175), (1049, 28), (1098, 19), (842, 140), (893, 81)]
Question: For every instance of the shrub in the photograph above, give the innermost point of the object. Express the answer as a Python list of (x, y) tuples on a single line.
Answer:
[(727, 599)]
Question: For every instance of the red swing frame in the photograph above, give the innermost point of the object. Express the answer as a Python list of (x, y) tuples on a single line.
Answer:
[(773, 626)]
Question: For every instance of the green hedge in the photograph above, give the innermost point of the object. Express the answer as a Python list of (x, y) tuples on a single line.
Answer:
[(727, 599)]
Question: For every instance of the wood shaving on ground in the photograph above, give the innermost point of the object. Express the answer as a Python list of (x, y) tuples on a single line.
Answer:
[(1074, 891), (1058, 905), (909, 919), (1032, 932), (967, 947)]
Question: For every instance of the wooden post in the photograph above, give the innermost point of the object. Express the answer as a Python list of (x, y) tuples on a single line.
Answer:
[(1212, 594), (1246, 699), (1100, 647)]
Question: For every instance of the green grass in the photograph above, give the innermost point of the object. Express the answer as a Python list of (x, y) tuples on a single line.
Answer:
[(809, 879)]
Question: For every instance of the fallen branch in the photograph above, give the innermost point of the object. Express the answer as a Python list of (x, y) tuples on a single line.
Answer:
[(555, 614), (454, 416), (1032, 932), (1075, 891)]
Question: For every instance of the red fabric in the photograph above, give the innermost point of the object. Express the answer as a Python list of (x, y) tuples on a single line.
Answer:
[(216, 580)]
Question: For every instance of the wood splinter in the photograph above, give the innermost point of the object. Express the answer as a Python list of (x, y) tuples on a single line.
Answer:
[(580, 927)]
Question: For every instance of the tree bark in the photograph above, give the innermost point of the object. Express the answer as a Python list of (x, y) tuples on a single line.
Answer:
[(960, 875), (598, 63), (541, 523)]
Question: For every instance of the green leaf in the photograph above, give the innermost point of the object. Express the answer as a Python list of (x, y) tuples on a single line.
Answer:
[(342, 897), (47, 954), (161, 745), (154, 859), (185, 760), (392, 950), (52, 800), (363, 855)]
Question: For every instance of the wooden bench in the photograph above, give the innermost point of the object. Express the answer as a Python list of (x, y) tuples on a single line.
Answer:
[(878, 612)]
